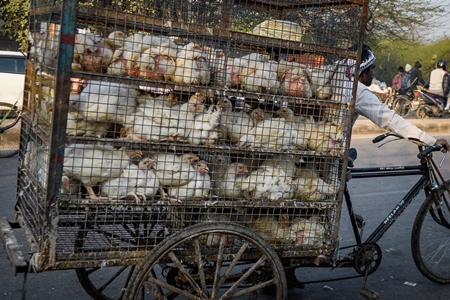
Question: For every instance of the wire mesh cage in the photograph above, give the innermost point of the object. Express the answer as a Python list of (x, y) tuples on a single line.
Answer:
[(146, 117)]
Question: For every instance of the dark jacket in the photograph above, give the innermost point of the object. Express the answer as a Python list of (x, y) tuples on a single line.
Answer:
[(416, 78), (446, 85)]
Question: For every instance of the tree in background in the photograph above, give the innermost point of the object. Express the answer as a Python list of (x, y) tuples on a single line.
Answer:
[(390, 55), (14, 14), (402, 20)]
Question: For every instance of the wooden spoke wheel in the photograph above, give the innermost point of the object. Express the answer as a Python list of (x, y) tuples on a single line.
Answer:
[(209, 261)]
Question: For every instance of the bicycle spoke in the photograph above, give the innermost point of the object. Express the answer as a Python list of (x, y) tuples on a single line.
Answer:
[(199, 260), (181, 269)]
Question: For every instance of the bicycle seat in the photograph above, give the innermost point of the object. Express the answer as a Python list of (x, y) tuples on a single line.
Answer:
[(442, 98)]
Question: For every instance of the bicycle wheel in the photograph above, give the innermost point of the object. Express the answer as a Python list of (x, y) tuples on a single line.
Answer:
[(402, 105), (209, 261), (9, 130), (421, 113), (105, 283), (430, 240)]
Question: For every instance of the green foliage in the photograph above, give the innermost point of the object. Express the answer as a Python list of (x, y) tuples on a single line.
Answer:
[(390, 55), (14, 14)]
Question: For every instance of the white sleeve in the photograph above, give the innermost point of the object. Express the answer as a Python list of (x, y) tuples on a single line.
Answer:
[(368, 105)]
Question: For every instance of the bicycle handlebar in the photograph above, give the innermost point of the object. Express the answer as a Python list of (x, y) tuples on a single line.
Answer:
[(428, 150)]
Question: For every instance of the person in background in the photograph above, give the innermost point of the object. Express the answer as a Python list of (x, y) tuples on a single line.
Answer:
[(368, 105), (416, 76), (397, 81), (406, 77), (438, 83)]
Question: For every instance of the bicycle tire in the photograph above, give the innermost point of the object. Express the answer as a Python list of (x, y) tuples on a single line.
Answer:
[(145, 276), (104, 283), (402, 105), (9, 130), (430, 237)]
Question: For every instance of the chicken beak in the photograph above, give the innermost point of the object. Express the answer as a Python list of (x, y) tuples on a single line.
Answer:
[(194, 157), (136, 156)]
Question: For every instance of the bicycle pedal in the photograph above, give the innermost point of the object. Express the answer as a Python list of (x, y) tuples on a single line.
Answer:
[(369, 294), (360, 221)]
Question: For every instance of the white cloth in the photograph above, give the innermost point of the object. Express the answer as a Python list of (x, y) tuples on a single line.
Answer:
[(368, 105), (436, 79)]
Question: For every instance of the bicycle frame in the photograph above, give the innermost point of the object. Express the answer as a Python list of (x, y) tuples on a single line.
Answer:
[(424, 183)]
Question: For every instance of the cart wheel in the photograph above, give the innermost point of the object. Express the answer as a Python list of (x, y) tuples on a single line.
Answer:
[(209, 261), (105, 283)]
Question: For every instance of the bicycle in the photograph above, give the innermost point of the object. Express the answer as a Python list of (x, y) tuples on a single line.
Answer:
[(431, 228), (10, 116)]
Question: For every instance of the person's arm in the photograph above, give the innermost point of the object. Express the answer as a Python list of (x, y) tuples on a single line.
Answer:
[(420, 78), (427, 83), (367, 105), (446, 85)]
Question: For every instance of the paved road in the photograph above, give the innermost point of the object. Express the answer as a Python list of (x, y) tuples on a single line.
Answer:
[(372, 198)]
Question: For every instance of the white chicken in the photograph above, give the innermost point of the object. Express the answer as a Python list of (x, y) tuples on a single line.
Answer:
[(104, 102), (302, 124), (272, 230), (47, 49), (307, 231), (159, 45), (326, 137), (205, 127), (157, 60), (148, 100), (94, 164), (78, 126), (185, 114), (233, 124), (267, 183), (198, 188), (320, 82), (284, 161), (174, 170), (260, 77), (229, 182), (116, 39), (93, 53), (192, 66), (309, 186), (121, 66), (273, 133), (227, 72), (150, 124), (83, 41), (140, 182), (218, 164), (295, 80), (156, 67)]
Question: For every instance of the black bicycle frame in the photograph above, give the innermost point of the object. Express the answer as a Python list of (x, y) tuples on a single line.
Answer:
[(422, 183)]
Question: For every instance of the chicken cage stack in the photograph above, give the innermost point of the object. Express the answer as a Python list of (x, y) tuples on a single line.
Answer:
[(144, 118)]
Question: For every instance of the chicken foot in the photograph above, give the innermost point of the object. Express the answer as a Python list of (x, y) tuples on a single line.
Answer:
[(166, 197), (93, 195), (173, 138), (136, 196)]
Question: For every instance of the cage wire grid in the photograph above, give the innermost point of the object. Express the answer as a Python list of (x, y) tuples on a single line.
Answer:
[(184, 113)]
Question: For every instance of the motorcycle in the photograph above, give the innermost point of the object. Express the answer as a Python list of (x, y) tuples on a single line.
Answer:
[(425, 104), (431, 105)]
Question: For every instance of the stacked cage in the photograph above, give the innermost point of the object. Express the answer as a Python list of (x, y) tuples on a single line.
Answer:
[(143, 119)]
